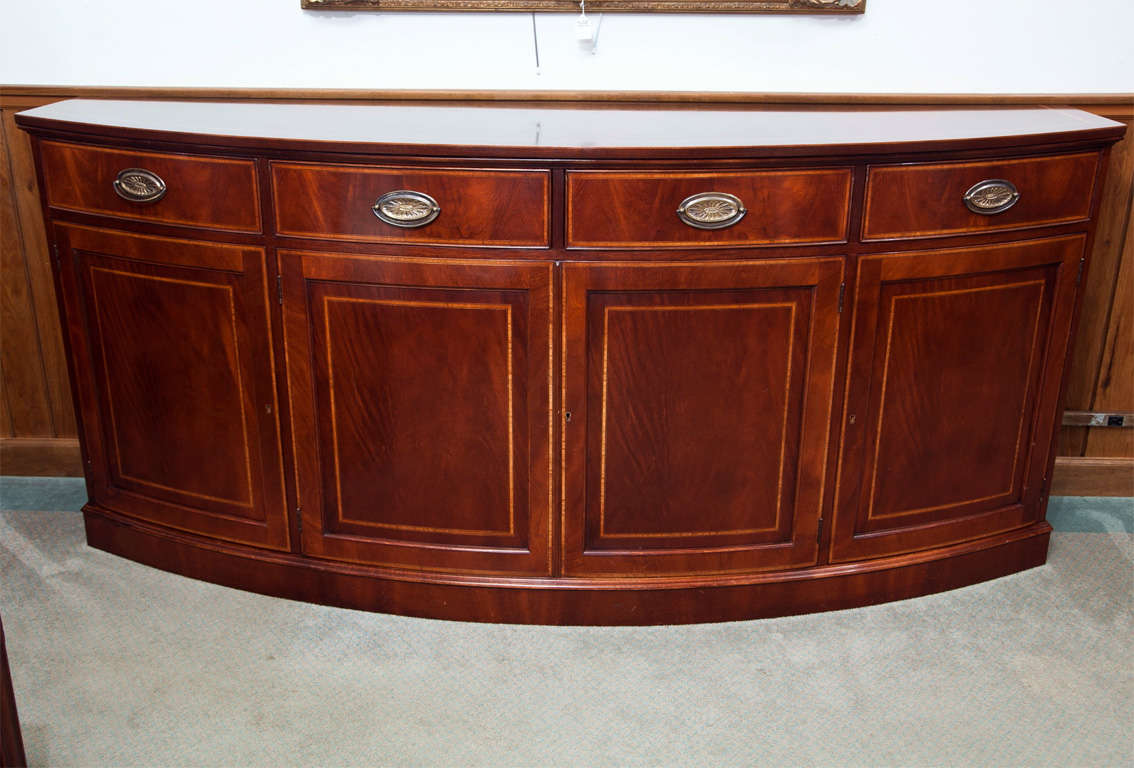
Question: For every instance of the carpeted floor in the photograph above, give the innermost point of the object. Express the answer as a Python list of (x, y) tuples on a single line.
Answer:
[(118, 664)]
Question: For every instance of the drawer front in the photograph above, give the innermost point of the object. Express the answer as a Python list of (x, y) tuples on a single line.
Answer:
[(213, 192), (928, 200), (447, 206), (612, 209)]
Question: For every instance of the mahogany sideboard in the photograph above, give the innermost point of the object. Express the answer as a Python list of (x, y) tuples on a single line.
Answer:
[(587, 366)]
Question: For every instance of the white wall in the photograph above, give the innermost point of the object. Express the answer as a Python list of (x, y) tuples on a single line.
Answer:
[(927, 46)]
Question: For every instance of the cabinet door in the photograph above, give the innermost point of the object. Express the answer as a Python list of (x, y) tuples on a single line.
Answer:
[(953, 387), (421, 410), (172, 347), (699, 398)]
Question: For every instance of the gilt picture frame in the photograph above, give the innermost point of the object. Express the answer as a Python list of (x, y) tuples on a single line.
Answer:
[(596, 6)]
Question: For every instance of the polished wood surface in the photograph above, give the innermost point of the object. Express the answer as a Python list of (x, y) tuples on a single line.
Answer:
[(951, 356), (926, 200), (700, 397), (568, 132), (626, 209), (478, 207), (180, 411), (35, 401), (207, 192), (421, 409), (570, 601), (609, 435)]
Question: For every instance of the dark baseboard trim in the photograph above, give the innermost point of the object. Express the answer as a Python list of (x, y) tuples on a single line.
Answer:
[(40, 456), (1090, 476)]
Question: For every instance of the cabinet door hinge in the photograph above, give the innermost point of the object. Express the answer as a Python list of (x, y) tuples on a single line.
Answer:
[(299, 519), (279, 288), (1079, 274), (842, 292), (819, 530), (55, 253)]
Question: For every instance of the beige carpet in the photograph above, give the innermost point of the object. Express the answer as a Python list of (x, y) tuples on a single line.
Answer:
[(118, 664)]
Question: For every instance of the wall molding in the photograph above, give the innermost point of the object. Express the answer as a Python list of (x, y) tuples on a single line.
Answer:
[(42, 457), (1092, 476), (1118, 103)]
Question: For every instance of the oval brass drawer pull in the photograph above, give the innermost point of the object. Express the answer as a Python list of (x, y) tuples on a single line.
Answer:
[(711, 210), (139, 185), (991, 196), (406, 209)]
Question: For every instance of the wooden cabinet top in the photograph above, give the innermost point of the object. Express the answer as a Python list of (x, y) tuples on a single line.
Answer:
[(552, 132)]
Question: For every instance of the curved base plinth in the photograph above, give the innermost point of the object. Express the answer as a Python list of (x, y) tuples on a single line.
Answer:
[(570, 601)]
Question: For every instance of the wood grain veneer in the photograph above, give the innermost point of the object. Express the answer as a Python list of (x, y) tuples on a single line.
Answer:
[(628, 209), (476, 424), (924, 200), (702, 397), (219, 193), (940, 388), (514, 131), (180, 403), (421, 409), (37, 426), (478, 207)]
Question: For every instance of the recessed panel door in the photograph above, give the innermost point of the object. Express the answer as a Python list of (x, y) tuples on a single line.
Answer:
[(172, 346), (420, 395), (954, 379), (698, 401)]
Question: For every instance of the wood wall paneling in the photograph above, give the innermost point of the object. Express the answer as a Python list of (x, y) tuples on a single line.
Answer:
[(1101, 289), (37, 426), (24, 358), (42, 456), (1087, 476), (38, 435), (1114, 389)]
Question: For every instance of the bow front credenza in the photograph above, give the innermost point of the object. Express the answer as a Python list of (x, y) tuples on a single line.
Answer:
[(564, 365)]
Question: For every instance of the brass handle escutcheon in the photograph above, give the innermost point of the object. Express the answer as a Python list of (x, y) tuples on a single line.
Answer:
[(139, 185), (711, 210), (406, 209), (991, 196)]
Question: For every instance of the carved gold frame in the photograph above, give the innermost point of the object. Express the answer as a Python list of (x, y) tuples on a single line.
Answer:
[(597, 6)]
